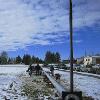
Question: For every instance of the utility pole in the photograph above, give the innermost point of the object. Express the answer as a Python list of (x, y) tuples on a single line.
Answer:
[(71, 95), (71, 45)]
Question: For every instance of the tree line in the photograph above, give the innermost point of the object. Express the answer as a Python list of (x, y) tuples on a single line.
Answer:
[(50, 57)]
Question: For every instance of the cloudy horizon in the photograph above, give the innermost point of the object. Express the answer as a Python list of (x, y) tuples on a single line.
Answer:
[(45, 23)]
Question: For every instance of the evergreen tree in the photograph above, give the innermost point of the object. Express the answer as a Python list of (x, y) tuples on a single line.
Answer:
[(9, 61), (41, 61), (0, 60), (57, 57), (36, 60), (33, 59), (27, 59), (52, 57), (3, 57), (18, 60), (48, 57)]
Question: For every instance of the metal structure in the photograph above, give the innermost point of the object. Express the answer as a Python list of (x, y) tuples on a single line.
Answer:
[(71, 95), (68, 95), (61, 91), (57, 85), (71, 45)]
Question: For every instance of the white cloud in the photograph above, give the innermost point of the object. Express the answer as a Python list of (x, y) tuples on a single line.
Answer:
[(86, 13), (27, 22)]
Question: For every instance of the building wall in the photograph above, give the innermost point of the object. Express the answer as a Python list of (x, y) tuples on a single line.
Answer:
[(80, 60), (98, 61), (88, 60), (91, 60)]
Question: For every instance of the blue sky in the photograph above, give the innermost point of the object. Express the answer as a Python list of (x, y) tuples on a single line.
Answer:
[(35, 26)]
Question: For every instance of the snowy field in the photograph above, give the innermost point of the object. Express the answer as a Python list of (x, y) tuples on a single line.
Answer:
[(90, 86), (9, 75)]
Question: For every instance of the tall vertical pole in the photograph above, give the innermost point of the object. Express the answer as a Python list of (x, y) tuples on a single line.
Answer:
[(71, 45)]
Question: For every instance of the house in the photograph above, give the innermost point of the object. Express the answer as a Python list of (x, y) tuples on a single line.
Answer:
[(80, 60), (91, 60)]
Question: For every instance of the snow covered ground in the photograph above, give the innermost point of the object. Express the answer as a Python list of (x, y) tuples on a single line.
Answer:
[(9, 76), (12, 69), (90, 86)]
